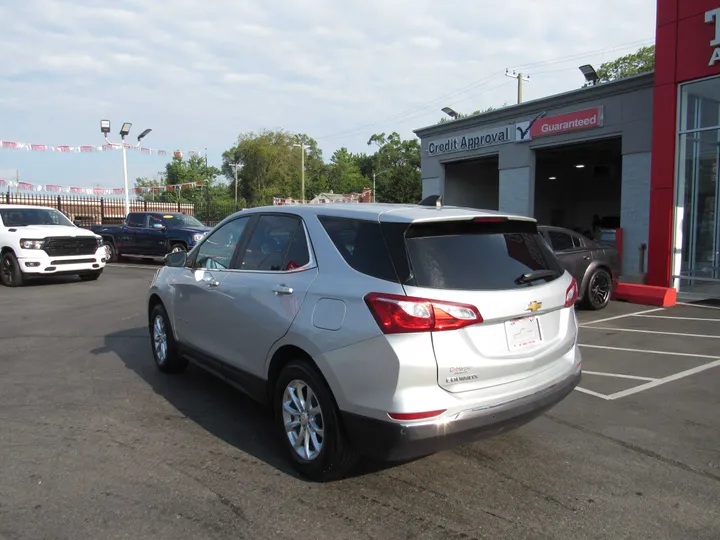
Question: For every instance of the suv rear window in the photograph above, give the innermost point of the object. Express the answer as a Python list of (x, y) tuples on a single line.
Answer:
[(470, 255), (443, 255)]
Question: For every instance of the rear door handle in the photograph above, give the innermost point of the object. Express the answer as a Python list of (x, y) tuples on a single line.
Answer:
[(586, 257), (282, 289)]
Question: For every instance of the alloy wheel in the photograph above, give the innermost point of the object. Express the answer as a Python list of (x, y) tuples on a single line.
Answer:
[(303, 420), (160, 343), (600, 288)]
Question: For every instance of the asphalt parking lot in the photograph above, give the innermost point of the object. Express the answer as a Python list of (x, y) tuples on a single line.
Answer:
[(97, 444)]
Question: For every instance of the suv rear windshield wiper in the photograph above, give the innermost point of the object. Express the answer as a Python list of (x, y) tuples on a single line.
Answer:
[(536, 276)]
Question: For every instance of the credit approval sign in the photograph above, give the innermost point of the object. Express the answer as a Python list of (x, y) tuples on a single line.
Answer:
[(561, 123)]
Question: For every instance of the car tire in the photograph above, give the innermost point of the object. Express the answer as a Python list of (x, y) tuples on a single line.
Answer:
[(10, 273), (164, 348), (335, 457), (91, 276), (112, 255), (599, 290), (178, 247)]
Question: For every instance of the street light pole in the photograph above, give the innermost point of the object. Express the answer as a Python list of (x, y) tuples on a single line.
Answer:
[(374, 176), (124, 132), (125, 177), (302, 171), (235, 167)]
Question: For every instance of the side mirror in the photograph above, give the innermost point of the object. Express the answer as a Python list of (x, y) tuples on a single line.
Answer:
[(176, 259), (159, 226)]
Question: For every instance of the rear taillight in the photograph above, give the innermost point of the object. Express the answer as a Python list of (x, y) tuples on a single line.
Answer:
[(398, 314), (571, 295)]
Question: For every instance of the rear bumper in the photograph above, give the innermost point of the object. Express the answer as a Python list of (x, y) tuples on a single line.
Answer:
[(389, 441)]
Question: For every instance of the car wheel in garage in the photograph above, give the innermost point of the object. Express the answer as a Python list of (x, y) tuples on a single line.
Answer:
[(309, 424), (91, 276), (164, 348), (10, 273), (599, 290)]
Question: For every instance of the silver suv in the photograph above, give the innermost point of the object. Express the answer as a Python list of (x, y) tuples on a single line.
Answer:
[(387, 331)]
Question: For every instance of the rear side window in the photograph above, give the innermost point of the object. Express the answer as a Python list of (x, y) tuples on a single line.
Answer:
[(560, 241), (136, 220), (361, 244), (467, 255)]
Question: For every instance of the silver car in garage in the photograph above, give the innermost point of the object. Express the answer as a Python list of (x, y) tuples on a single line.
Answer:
[(387, 331)]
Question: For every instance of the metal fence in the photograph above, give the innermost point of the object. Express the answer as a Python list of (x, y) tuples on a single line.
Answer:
[(93, 210), (89, 210)]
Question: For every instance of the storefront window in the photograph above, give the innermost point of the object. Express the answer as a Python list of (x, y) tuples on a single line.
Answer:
[(697, 245)]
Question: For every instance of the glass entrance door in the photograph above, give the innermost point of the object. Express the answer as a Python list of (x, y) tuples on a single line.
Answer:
[(697, 243)]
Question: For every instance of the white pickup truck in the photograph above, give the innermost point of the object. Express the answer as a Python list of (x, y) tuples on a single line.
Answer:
[(39, 241)]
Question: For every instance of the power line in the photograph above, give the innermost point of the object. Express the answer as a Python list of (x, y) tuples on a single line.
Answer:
[(409, 113)]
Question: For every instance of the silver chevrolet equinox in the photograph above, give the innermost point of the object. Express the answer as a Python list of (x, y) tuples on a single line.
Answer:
[(385, 331)]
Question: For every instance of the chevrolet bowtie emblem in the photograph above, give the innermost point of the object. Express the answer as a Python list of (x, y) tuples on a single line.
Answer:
[(534, 306)]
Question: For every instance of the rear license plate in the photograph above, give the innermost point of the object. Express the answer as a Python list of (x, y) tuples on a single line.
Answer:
[(522, 333)]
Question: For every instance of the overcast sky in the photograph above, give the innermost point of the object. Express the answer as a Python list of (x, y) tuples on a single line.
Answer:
[(201, 72)]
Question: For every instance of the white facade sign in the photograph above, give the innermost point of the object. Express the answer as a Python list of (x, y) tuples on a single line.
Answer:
[(713, 16), (471, 141)]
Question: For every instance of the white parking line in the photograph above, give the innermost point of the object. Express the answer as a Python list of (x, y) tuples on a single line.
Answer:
[(651, 332), (677, 318), (618, 376), (696, 305), (664, 380), (616, 317), (590, 392), (648, 351)]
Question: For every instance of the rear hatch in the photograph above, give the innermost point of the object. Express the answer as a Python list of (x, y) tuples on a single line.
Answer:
[(498, 294)]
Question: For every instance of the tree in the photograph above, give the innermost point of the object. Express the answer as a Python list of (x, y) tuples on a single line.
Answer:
[(344, 175), (637, 63), (271, 165), (182, 171), (399, 161)]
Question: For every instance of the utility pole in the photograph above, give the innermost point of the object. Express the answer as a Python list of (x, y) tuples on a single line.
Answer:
[(302, 147), (520, 80), (235, 168)]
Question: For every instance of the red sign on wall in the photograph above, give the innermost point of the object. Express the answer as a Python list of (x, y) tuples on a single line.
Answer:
[(565, 123), (698, 43)]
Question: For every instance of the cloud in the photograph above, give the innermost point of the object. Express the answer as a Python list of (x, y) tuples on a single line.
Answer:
[(201, 72)]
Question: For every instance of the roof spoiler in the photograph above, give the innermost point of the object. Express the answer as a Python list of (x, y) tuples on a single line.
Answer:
[(432, 200)]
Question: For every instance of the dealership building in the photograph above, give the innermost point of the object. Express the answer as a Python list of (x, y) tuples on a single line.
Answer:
[(640, 155)]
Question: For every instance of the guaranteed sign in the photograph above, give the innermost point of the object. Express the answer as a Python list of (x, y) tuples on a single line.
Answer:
[(565, 123), (471, 141)]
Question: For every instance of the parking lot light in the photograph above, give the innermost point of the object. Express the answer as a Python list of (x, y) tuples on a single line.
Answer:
[(590, 74), (450, 112), (124, 132)]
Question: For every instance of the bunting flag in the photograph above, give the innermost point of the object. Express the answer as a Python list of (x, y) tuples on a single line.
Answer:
[(53, 188), (82, 149)]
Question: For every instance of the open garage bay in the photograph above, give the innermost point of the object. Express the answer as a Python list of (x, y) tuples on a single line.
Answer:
[(97, 444)]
